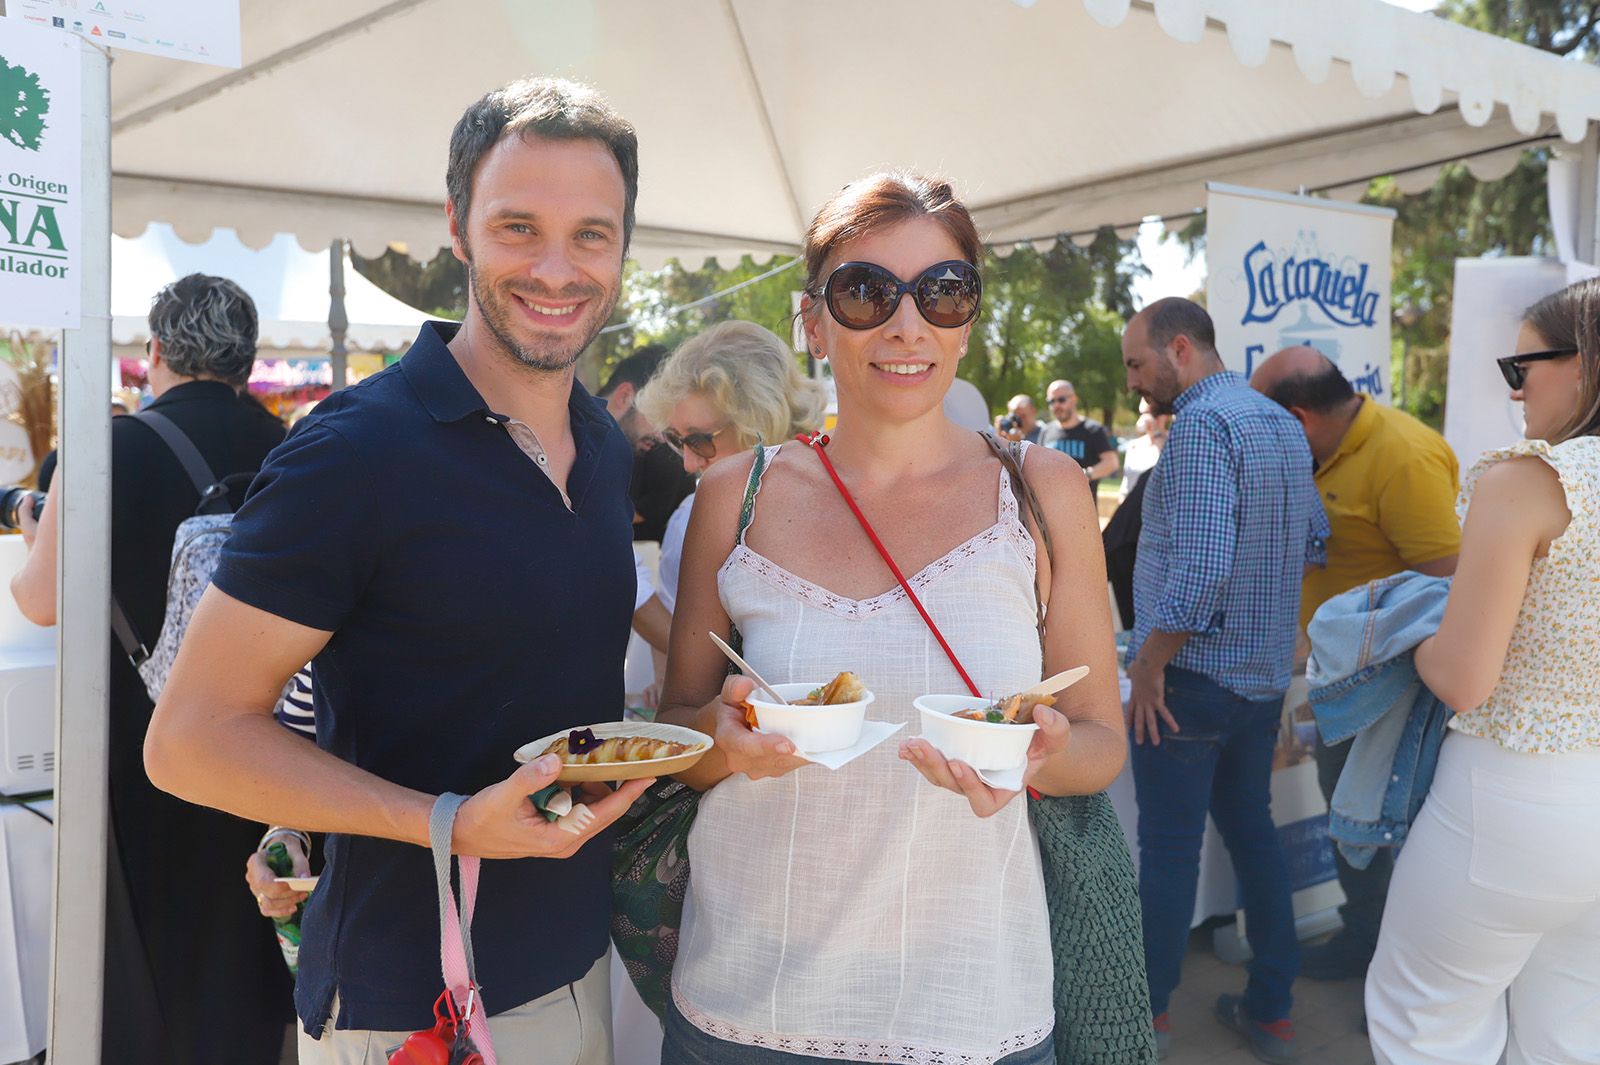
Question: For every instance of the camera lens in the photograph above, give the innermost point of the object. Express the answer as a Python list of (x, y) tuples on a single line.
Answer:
[(13, 499)]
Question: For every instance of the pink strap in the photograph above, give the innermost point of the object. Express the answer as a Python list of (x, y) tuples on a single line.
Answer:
[(453, 958)]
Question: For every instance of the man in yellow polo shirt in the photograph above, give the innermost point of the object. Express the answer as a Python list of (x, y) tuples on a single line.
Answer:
[(1388, 484)]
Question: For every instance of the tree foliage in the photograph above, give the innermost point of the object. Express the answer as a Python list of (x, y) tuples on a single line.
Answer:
[(1055, 314)]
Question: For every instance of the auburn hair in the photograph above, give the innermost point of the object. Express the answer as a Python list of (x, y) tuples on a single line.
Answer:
[(886, 199)]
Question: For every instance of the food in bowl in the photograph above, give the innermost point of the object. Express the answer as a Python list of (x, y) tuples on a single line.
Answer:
[(845, 688), (981, 744), (817, 717), (1012, 710), (581, 747)]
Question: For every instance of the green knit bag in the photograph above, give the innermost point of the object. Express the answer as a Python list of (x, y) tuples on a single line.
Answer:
[(1096, 937)]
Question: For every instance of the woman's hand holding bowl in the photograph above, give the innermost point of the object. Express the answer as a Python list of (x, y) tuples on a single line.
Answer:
[(746, 751), (1054, 733)]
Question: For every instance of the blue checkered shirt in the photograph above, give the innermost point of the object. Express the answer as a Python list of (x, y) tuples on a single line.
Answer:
[(1231, 520)]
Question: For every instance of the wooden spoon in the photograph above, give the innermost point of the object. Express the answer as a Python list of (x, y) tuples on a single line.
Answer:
[(733, 656), (1060, 682)]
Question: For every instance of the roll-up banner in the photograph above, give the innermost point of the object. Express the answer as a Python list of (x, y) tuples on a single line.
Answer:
[(1287, 270), (41, 177)]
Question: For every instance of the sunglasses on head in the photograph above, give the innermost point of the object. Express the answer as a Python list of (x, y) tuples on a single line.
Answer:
[(1514, 369), (702, 444), (865, 295)]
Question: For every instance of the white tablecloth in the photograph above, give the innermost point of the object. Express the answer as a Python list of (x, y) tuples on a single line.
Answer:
[(1297, 804), (26, 854)]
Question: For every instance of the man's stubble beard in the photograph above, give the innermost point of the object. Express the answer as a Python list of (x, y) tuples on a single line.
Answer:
[(497, 318)]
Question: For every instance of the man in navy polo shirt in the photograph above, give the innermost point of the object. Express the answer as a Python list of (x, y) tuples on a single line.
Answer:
[(451, 541)]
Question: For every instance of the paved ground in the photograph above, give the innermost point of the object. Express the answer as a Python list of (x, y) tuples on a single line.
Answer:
[(1327, 1017)]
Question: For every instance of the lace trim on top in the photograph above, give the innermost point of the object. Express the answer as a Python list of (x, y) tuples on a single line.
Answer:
[(1008, 529), (894, 1053)]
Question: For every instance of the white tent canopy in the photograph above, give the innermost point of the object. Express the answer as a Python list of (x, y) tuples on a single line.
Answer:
[(1053, 118), (288, 284)]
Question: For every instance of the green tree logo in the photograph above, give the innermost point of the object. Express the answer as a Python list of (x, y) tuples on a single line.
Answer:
[(23, 104)]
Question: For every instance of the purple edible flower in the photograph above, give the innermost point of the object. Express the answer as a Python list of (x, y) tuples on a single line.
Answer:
[(582, 741)]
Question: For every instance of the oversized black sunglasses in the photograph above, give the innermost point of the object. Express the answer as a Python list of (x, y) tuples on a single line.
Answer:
[(702, 444), (865, 295), (1512, 367)]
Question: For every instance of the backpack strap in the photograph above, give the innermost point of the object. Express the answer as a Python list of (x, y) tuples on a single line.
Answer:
[(205, 483), (122, 629)]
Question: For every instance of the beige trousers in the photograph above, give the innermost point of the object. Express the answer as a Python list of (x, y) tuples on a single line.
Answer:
[(569, 1026)]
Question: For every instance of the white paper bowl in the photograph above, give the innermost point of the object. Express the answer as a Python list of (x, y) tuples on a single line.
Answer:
[(980, 744), (812, 729)]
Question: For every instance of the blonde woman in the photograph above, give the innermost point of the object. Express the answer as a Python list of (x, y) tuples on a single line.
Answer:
[(721, 393), (1492, 928)]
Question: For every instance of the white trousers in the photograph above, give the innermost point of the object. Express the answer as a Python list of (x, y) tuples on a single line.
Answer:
[(569, 1026), (1491, 936)]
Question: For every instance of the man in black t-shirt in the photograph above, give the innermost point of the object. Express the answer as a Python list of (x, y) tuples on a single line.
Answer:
[(1084, 439), (659, 481)]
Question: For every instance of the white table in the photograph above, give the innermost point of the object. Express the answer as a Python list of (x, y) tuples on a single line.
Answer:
[(27, 851)]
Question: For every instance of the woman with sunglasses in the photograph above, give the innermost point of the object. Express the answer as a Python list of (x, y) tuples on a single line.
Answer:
[(1491, 935), (719, 394), (892, 909)]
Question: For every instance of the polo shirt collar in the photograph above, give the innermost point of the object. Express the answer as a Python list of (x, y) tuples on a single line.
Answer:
[(1205, 386), (449, 396), (1360, 430), (435, 376)]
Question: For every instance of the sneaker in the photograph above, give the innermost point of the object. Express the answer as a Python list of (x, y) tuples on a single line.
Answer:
[(1272, 1042), (1340, 958), (1162, 1023)]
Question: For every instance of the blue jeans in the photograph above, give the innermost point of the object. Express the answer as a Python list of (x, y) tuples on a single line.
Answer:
[(684, 1044), (1220, 761)]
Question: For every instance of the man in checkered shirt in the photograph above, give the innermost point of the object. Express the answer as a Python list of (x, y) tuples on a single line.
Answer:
[(1231, 520)]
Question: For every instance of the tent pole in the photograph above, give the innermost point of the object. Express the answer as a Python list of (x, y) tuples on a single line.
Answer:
[(83, 635), (1589, 197), (338, 319)]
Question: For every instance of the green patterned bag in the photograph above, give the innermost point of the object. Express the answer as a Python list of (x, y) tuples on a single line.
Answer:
[(649, 876)]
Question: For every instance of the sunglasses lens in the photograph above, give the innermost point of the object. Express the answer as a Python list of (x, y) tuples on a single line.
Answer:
[(948, 294), (702, 444), (1512, 373), (862, 296)]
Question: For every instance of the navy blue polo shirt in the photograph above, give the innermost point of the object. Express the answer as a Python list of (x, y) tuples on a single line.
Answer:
[(471, 612)]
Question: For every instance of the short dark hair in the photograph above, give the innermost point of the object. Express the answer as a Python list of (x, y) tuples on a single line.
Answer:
[(1322, 390), (207, 328), (1167, 319), (636, 369), (541, 107)]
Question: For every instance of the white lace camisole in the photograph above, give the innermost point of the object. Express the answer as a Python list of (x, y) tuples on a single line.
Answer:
[(863, 913)]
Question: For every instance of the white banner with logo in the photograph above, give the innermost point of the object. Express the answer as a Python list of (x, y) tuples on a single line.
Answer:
[(41, 177), (197, 31), (1287, 270)]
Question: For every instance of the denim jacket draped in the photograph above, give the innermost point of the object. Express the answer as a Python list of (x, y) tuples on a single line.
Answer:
[(1365, 691)]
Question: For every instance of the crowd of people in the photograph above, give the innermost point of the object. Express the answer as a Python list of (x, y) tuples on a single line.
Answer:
[(450, 545)]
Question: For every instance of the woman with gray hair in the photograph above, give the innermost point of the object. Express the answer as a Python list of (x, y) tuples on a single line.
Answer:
[(197, 974), (721, 393)]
